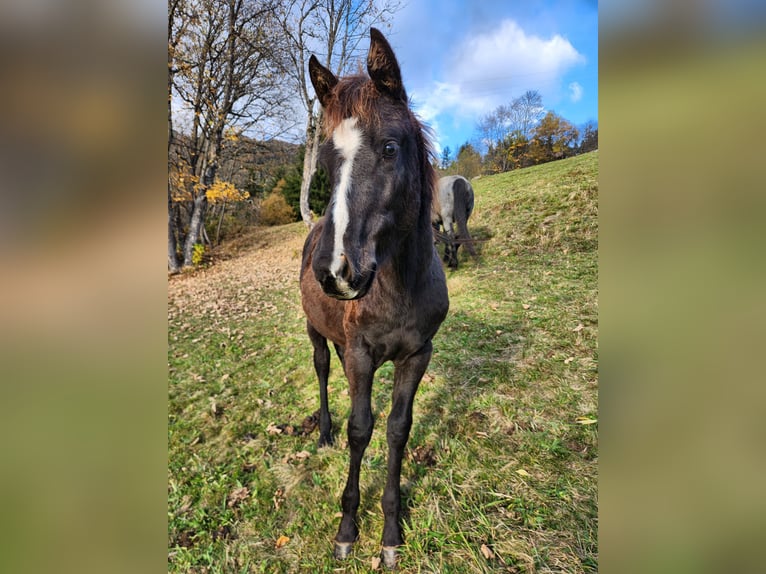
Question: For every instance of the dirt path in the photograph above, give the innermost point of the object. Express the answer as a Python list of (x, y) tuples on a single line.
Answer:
[(267, 259)]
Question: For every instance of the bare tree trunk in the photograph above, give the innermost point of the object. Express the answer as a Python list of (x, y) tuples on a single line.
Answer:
[(220, 222), (199, 209), (309, 166), (195, 225), (173, 264), (204, 239), (174, 10)]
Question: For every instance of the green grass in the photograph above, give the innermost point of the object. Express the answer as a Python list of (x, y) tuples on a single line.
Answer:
[(499, 463)]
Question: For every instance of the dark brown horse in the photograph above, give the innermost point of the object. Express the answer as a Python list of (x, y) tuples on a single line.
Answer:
[(371, 281)]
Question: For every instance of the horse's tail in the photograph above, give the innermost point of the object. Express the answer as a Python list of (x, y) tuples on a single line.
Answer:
[(463, 198)]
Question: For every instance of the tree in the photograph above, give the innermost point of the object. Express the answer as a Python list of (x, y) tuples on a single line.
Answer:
[(589, 141), (467, 163), (227, 66), (446, 157), (220, 194), (319, 195), (554, 138), (493, 127), (525, 113), (341, 24), (177, 22), (506, 131)]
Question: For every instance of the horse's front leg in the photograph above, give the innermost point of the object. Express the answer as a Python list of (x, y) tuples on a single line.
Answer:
[(407, 377), (359, 371), (450, 251)]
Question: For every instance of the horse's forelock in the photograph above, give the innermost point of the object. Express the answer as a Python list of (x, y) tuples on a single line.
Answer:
[(354, 96)]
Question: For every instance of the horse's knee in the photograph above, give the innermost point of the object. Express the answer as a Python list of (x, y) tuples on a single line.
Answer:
[(398, 431), (360, 429)]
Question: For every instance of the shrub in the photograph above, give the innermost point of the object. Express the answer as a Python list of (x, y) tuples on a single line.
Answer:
[(198, 254), (275, 210)]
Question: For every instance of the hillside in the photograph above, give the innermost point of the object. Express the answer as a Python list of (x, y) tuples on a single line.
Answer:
[(245, 162), (501, 469)]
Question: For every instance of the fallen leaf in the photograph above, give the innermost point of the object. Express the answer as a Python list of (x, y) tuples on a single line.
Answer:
[(310, 423), (186, 503), (487, 552), (585, 421), (423, 454), (281, 541), (375, 563), (522, 472), (237, 495), (273, 429), (568, 360), (525, 306), (579, 328), (278, 498)]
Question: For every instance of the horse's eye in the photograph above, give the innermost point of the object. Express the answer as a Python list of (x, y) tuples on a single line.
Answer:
[(390, 149)]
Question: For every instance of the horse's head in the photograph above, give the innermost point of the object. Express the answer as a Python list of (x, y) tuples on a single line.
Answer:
[(377, 159)]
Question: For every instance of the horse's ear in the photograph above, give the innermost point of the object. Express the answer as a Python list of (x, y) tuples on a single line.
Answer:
[(322, 79), (383, 67)]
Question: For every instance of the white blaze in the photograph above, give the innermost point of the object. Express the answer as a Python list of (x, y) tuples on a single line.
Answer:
[(346, 138)]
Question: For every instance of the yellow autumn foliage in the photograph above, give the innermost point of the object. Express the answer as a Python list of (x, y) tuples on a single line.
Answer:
[(182, 182), (222, 191)]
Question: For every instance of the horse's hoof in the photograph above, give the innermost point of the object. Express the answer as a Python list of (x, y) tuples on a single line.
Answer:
[(324, 441), (342, 550), (388, 555)]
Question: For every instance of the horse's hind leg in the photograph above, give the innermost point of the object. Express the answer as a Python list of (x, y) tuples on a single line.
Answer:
[(322, 367)]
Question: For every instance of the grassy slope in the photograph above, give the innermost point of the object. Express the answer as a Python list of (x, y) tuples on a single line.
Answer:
[(498, 456)]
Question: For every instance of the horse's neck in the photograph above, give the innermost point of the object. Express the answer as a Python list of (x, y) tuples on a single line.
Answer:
[(411, 261)]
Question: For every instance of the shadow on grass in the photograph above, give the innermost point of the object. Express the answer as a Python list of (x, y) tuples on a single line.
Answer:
[(472, 357), (480, 235)]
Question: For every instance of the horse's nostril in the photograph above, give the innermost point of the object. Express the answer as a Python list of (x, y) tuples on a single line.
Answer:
[(345, 271)]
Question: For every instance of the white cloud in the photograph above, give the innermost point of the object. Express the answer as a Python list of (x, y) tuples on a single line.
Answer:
[(509, 57), (575, 92), (486, 70)]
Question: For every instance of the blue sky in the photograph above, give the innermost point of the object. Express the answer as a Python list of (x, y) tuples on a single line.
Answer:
[(461, 59)]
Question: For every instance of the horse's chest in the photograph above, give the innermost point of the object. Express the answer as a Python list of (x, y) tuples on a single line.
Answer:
[(399, 334)]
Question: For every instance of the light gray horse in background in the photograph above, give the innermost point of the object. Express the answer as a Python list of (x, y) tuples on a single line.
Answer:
[(451, 209)]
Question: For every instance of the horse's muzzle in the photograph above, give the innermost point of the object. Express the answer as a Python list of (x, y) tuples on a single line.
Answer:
[(346, 285)]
